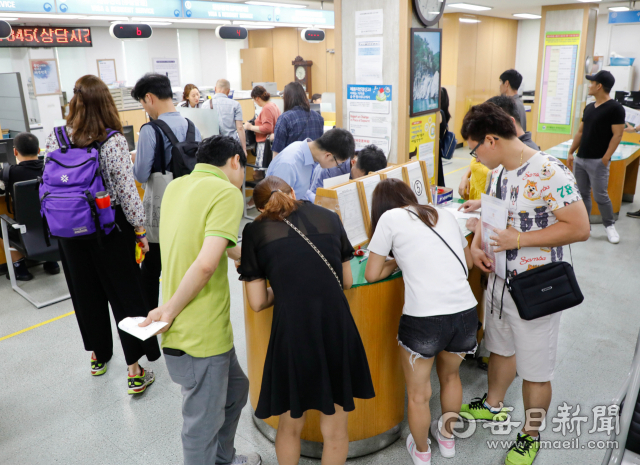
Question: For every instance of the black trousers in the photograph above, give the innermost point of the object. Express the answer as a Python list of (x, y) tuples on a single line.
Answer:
[(151, 268), (102, 274)]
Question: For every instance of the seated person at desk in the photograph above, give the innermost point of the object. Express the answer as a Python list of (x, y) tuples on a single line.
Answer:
[(316, 359), (29, 167), (367, 160), (296, 163), (439, 319), (316, 98), (229, 113), (190, 97)]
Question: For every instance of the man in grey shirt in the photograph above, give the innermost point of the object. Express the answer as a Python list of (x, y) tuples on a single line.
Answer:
[(510, 82), (154, 92), (229, 113)]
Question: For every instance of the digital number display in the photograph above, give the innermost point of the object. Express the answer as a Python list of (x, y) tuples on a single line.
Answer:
[(46, 36), (131, 31), (231, 32), (313, 35)]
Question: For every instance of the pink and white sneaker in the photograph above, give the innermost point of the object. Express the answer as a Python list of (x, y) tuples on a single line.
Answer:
[(419, 458), (446, 445)]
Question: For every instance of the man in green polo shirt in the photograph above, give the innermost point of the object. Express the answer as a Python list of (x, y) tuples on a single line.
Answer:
[(199, 223)]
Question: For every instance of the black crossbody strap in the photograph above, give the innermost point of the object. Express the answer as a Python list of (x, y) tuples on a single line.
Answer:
[(445, 243)]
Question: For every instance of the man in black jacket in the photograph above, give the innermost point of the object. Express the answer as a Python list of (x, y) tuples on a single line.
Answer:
[(29, 167)]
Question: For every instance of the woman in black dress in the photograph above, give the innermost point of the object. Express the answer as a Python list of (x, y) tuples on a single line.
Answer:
[(315, 359)]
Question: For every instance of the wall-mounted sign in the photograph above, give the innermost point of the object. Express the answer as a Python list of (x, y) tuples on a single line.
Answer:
[(28, 6), (303, 16), (622, 17), (45, 36), (46, 80), (232, 11), (162, 8), (369, 115), (422, 141), (168, 67), (107, 70)]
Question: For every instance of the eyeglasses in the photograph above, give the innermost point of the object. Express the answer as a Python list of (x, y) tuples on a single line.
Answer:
[(336, 160), (473, 152)]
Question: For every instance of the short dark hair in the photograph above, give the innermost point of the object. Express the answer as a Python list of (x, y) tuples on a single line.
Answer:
[(216, 150), (371, 158), (339, 142), (261, 92), (294, 95), (152, 83), (316, 97), (487, 118), (606, 89), (507, 104), (514, 78), (26, 144)]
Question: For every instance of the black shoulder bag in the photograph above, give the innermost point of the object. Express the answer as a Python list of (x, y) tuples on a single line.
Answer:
[(544, 290)]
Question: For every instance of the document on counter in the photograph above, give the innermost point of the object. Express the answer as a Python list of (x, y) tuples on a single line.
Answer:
[(351, 213), (494, 215), (416, 182), (130, 325), (395, 174), (369, 185), (462, 215), (328, 183)]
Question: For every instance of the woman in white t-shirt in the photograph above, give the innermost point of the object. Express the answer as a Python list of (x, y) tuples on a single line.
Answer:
[(439, 320)]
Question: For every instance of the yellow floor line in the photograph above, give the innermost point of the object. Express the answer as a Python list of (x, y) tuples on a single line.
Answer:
[(36, 326), (467, 166)]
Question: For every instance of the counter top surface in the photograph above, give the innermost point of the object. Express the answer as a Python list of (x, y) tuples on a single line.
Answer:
[(625, 150)]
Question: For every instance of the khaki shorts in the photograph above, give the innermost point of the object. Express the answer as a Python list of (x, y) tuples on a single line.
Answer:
[(534, 343)]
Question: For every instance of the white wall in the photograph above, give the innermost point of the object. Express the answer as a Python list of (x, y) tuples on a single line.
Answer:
[(527, 52), (623, 39)]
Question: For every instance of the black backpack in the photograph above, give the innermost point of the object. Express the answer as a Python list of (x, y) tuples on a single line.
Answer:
[(183, 154)]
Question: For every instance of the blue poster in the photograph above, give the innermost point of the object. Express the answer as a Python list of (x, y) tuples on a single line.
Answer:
[(231, 11), (622, 17), (304, 16), (31, 6), (381, 93), (162, 8)]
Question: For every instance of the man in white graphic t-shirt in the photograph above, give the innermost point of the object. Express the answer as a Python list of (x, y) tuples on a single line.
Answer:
[(546, 213)]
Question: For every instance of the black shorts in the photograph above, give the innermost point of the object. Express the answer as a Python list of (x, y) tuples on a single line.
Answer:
[(425, 337)]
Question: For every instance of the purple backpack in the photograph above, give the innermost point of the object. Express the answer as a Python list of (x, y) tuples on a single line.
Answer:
[(70, 182)]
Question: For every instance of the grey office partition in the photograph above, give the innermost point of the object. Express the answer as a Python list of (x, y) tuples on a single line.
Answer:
[(13, 109)]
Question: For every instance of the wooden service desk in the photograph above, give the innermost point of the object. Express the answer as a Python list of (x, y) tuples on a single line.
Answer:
[(623, 175), (376, 309)]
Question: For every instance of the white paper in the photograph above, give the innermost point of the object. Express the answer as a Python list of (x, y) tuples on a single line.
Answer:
[(494, 215), (369, 22), (416, 182), (45, 77), (168, 67), (370, 120), (351, 213), (632, 116), (370, 184), (330, 182), (558, 84), (107, 71), (426, 154), (395, 173), (130, 325), (460, 214), (369, 60)]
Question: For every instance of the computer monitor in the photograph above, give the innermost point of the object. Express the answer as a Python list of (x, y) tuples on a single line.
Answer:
[(128, 134), (316, 107), (6, 152)]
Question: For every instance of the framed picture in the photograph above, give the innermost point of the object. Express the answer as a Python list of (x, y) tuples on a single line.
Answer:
[(107, 70), (426, 66), (45, 77)]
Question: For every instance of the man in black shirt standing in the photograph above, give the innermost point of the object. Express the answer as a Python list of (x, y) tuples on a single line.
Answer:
[(598, 137), (26, 150)]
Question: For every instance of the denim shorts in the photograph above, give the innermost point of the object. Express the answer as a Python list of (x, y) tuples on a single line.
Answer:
[(425, 337)]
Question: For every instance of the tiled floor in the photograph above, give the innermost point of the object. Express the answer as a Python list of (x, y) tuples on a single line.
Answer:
[(53, 412)]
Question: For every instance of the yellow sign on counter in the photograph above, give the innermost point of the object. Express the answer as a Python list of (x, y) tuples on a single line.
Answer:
[(422, 141)]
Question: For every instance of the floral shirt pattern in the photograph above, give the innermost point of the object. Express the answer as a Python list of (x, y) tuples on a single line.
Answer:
[(533, 192), (117, 170)]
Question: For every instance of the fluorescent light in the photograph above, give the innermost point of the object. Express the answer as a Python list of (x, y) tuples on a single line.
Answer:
[(157, 23), (39, 16), (253, 26), (282, 5), (469, 20), (102, 18), (469, 6), (589, 1), (10, 19), (203, 21), (618, 8), (527, 16)]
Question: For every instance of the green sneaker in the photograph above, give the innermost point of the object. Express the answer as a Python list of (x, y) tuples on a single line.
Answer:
[(524, 451), (476, 411), (138, 384), (98, 368)]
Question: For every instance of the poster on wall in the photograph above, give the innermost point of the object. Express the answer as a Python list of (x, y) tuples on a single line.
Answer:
[(369, 115), (426, 50), (46, 80), (369, 22), (559, 65), (422, 142), (168, 67), (368, 60), (107, 71)]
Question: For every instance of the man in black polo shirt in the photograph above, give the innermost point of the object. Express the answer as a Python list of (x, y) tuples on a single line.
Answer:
[(26, 150), (598, 137)]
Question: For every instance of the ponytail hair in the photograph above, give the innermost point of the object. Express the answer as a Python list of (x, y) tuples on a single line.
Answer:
[(272, 197), (393, 193)]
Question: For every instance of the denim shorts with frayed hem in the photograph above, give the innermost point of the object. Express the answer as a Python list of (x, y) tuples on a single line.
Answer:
[(425, 337)]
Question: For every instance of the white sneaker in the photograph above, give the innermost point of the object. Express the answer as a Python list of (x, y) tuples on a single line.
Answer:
[(612, 234), (419, 458), (249, 459), (447, 446)]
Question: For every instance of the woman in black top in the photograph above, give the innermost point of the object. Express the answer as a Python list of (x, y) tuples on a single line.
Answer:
[(315, 359), (446, 116)]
